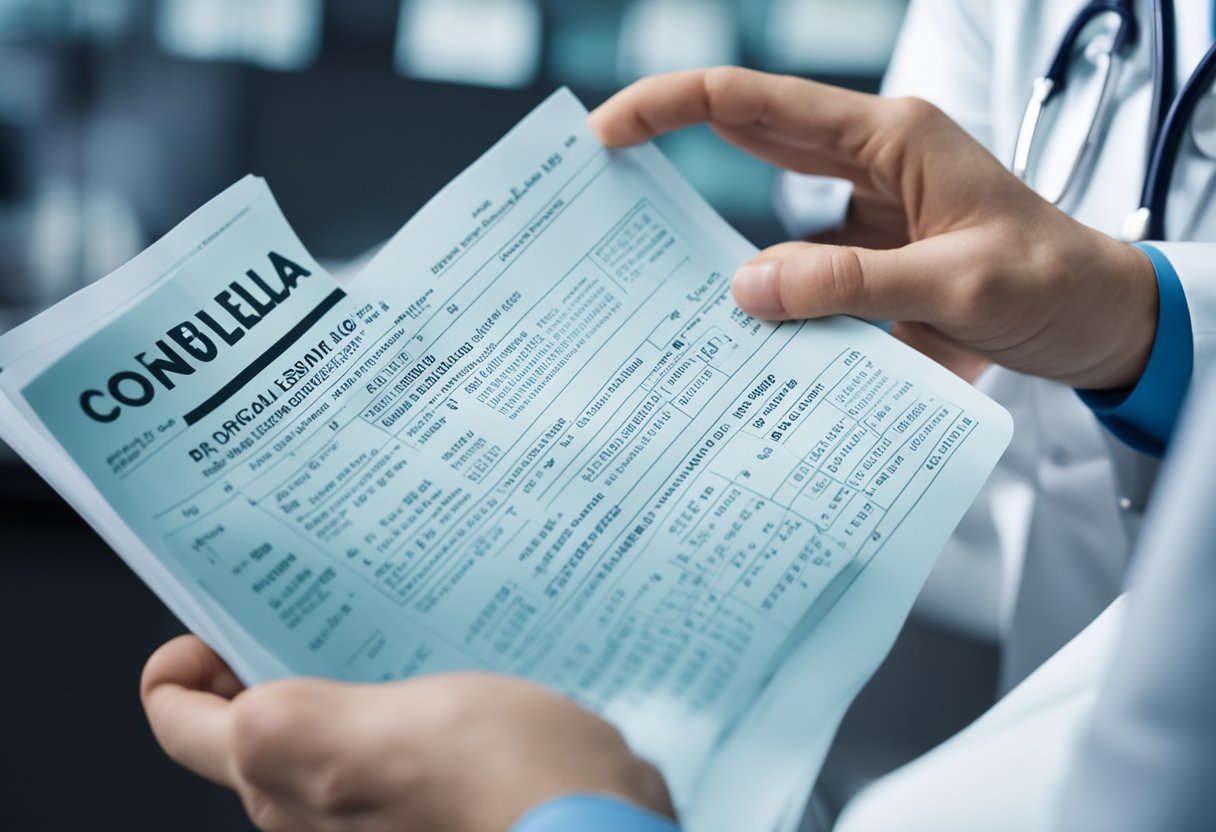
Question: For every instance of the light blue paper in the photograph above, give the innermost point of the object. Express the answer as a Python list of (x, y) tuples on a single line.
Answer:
[(533, 436)]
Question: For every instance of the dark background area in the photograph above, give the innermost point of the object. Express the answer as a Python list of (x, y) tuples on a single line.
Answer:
[(108, 138), (77, 753)]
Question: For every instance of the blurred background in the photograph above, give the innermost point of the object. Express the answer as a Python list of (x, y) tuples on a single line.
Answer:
[(119, 117)]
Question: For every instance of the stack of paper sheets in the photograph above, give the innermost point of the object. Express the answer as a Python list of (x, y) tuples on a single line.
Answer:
[(534, 436)]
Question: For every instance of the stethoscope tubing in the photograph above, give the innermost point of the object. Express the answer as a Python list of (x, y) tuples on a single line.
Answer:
[(1125, 37), (1166, 149), (1047, 87), (1165, 59), (1170, 113)]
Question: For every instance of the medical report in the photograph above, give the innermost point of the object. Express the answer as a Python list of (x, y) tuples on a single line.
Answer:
[(534, 435)]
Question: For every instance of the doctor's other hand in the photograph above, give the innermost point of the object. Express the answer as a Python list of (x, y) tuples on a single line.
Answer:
[(461, 752), (979, 265)]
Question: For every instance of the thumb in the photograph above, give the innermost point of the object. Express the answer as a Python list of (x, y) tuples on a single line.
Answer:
[(806, 280)]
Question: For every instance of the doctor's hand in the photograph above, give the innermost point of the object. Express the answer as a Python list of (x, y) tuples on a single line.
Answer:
[(461, 752), (982, 268)]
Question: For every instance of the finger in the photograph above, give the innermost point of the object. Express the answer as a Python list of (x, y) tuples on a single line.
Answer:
[(187, 661), (812, 281), (778, 251), (787, 153), (184, 690), (732, 97)]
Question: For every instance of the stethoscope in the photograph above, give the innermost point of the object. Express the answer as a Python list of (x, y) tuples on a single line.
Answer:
[(1171, 113)]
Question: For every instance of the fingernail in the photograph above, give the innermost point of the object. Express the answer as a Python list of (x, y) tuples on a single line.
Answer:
[(755, 289)]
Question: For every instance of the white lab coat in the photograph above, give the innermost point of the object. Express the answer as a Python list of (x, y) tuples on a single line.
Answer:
[(1045, 548)]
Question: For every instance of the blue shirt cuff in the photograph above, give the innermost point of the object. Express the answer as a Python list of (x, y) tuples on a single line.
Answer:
[(591, 813), (1144, 417)]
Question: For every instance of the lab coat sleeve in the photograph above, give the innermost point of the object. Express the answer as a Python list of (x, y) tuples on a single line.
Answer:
[(591, 813), (944, 55), (1147, 758), (1195, 266), (1144, 417)]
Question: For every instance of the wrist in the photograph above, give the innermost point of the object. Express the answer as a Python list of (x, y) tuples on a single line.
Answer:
[(1144, 416), (1135, 339), (1125, 308)]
